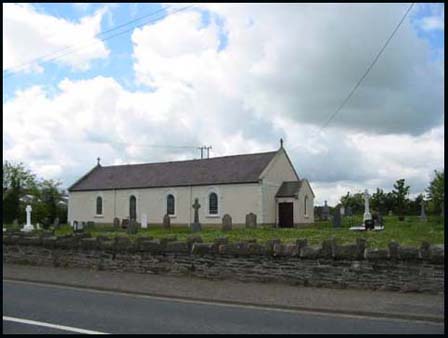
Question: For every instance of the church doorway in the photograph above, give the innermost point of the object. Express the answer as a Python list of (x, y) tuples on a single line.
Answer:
[(286, 215)]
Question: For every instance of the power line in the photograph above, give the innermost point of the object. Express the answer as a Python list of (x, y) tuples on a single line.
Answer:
[(103, 39), (368, 69), (142, 145)]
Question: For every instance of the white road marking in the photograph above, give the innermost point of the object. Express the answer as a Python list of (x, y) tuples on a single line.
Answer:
[(53, 326)]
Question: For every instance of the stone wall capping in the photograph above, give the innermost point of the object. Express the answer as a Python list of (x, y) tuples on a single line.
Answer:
[(329, 249)]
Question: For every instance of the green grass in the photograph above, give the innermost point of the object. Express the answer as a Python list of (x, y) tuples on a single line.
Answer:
[(410, 232)]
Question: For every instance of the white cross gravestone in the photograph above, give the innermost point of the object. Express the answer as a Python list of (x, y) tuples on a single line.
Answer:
[(422, 212), (28, 226), (367, 215), (144, 219)]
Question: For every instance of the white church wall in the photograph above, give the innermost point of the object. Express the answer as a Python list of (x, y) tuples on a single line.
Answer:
[(305, 191), (278, 171), (237, 200)]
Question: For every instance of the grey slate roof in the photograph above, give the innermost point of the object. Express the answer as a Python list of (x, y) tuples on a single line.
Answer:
[(218, 170), (289, 189)]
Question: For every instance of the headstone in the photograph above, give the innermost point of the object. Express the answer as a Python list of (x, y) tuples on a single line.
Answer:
[(367, 215), (226, 222), (15, 222), (28, 226), (380, 220), (133, 227), (251, 220), (166, 221), (342, 211), (56, 222), (124, 223), (368, 224), (390, 213), (196, 226), (336, 218), (349, 211), (144, 219), (325, 212), (77, 227), (422, 212), (116, 222)]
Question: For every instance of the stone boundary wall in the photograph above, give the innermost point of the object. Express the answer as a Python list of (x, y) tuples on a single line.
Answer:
[(406, 269)]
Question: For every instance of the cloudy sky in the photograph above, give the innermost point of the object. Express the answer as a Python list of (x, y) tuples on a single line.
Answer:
[(120, 81)]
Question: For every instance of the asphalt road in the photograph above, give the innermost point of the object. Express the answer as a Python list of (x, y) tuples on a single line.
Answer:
[(71, 309)]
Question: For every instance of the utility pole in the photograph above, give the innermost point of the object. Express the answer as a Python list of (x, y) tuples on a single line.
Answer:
[(208, 153), (202, 151)]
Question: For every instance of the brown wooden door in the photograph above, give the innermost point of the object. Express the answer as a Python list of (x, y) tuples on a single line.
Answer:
[(286, 215)]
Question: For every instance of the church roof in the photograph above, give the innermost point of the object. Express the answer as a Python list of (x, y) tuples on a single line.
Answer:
[(218, 170), (289, 189)]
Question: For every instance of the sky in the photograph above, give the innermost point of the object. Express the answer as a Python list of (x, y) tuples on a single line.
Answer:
[(141, 83)]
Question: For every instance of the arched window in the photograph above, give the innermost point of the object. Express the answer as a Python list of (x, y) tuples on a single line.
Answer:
[(305, 202), (213, 204), (133, 208), (99, 205), (170, 205)]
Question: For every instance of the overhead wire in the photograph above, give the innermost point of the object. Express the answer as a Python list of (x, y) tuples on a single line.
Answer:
[(76, 48)]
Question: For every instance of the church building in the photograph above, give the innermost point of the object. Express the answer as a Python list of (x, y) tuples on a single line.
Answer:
[(265, 184)]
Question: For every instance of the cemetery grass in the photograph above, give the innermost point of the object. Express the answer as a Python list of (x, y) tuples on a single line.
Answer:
[(410, 232)]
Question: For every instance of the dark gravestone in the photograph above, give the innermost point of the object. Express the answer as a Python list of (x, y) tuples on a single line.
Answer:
[(369, 225), (348, 211), (116, 222), (15, 222), (46, 223), (166, 222), (196, 226), (132, 228), (56, 223), (226, 223), (251, 220), (325, 212), (337, 218), (124, 223), (378, 220)]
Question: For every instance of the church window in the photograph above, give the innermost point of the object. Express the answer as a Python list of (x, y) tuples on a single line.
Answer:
[(305, 202), (213, 204), (99, 205), (170, 205)]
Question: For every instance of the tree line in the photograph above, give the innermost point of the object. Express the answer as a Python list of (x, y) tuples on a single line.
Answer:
[(398, 200), (21, 187)]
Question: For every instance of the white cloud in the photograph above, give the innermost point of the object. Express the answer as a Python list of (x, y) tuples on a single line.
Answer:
[(284, 69), (29, 34)]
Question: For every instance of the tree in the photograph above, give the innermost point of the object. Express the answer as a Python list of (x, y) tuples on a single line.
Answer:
[(436, 192), (378, 201), (415, 205), (400, 193), (17, 181), (50, 195), (356, 202)]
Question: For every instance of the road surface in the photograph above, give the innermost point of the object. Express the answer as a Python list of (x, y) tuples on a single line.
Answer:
[(40, 308)]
